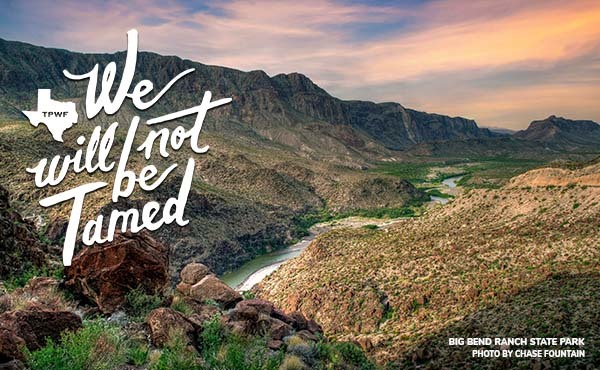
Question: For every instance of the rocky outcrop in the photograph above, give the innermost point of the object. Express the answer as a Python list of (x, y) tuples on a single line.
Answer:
[(251, 317), (104, 274), (19, 244), (260, 317), (11, 345), (199, 286), (33, 326)]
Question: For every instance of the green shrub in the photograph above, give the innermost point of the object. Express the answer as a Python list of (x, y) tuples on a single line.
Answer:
[(343, 355), (370, 227), (180, 306), (138, 355), (221, 350), (19, 280), (351, 354), (97, 345), (176, 355), (139, 304), (247, 294)]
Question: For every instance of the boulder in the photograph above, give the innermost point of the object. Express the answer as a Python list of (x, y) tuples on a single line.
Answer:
[(278, 329), (35, 325), (202, 311), (299, 322), (193, 273), (104, 274), (211, 288), (183, 288), (260, 305), (164, 322), (10, 345)]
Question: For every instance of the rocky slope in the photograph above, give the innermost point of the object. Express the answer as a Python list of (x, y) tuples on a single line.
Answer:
[(245, 199), (116, 309), (516, 261)]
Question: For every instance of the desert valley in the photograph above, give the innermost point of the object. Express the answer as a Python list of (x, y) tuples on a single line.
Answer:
[(400, 228)]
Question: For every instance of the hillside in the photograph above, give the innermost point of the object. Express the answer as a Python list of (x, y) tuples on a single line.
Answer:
[(518, 261), (559, 132)]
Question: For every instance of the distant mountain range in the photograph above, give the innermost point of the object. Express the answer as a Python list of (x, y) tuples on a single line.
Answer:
[(286, 108), (566, 133), (291, 102)]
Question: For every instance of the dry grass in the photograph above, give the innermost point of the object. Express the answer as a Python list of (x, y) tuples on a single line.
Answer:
[(405, 284)]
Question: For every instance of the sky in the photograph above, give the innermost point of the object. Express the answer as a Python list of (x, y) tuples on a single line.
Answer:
[(502, 63)]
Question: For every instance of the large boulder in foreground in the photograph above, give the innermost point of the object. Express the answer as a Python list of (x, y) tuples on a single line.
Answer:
[(33, 326), (106, 273)]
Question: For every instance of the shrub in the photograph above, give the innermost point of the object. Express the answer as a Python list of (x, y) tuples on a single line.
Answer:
[(351, 354), (291, 362), (370, 227), (180, 306), (247, 294), (97, 345), (139, 304), (19, 280), (221, 350), (176, 355), (343, 355), (138, 355)]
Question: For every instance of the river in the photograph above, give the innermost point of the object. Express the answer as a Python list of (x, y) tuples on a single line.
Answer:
[(255, 270)]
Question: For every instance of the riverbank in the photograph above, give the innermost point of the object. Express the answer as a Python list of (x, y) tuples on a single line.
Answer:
[(255, 270)]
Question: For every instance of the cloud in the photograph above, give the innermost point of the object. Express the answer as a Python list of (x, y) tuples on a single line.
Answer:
[(450, 56)]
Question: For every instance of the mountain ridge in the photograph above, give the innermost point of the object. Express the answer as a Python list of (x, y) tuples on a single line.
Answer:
[(260, 101), (560, 131)]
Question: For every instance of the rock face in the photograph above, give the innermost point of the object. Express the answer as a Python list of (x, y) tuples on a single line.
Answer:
[(193, 273), (105, 274), (33, 326), (19, 244)]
